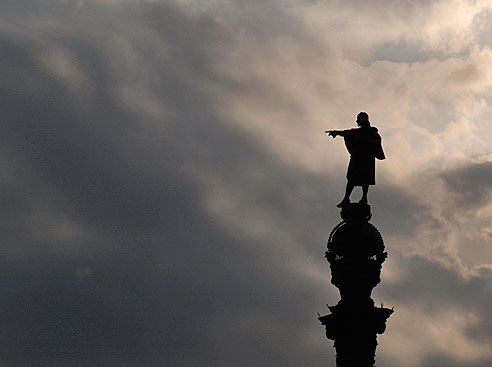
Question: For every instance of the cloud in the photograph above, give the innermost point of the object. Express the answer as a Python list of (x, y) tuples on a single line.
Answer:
[(471, 184), (119, 256), (447, 312), (168, 188)]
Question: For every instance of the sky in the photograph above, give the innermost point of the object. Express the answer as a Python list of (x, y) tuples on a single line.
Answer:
[(168, 189)]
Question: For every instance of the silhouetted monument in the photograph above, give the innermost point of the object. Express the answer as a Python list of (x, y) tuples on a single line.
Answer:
[(364, 145), (356, 254)]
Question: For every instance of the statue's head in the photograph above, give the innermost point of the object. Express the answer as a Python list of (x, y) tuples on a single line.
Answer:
[(363, 119)]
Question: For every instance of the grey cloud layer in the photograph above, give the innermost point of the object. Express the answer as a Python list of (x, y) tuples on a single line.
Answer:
[(116, 145), (153, 279)]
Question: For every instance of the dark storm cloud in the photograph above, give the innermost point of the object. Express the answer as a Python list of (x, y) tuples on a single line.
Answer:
[(482, 27), (397, 7), (403, 51), (398, 211), (112, 122), (471, 185), (431, 289), (153, 280), (437, 109)]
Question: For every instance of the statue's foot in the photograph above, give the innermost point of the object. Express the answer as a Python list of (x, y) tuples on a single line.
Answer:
[(343, 202)]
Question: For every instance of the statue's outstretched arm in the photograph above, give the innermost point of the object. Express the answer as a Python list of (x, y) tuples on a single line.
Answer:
[(334, 133)]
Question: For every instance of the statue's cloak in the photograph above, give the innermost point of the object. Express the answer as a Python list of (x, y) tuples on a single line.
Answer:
[(364, 145)]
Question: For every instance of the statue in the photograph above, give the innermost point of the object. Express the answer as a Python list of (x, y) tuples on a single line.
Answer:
[(364, 145), (356, 255)]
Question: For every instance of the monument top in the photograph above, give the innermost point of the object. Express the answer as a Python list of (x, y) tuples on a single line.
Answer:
[(356, 212)]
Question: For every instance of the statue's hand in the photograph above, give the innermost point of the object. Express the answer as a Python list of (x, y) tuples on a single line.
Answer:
[(331, 133)]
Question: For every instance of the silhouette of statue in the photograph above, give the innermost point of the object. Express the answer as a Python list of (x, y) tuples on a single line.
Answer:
[(364, 145)]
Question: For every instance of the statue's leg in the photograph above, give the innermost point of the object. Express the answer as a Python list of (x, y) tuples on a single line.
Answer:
[(346, 198), (365, 189)]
